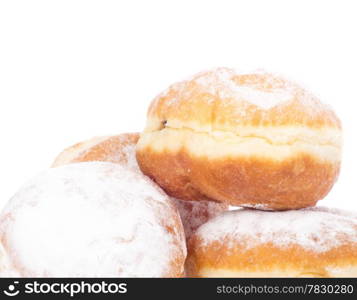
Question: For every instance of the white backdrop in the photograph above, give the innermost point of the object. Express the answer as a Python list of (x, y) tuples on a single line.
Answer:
[(70, 70)]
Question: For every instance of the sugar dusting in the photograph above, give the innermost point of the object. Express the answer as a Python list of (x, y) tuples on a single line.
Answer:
[(221, 82), (318, 229), (6, 269), (76, 221), (121, 149), (259, 88), (116, 148), (130, 157), (195, 213)]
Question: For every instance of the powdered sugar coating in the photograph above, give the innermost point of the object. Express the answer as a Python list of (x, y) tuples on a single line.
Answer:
[(6, 270), (195, 213), (224, 99), (318, 229), (266, 91), (92, 219), (221, 82), (121, 149), (130, 157), (105, 148)]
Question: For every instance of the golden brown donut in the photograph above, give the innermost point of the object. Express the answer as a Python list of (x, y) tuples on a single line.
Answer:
[(115, 149), (247, 139), (91, 219), (121, 149), (311, 242)]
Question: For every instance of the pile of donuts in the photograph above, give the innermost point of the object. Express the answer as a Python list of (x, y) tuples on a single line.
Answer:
[(222, 182)]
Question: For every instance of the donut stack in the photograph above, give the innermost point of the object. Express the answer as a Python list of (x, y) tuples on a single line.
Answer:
[(259, 141), (126, 205)]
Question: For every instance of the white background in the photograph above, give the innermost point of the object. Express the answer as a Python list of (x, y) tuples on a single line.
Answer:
[(70, 70)]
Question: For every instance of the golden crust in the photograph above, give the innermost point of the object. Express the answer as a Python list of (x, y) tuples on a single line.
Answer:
[(243, 181), (227, 253), (109, 149), (222, 99), (295, 260), (254, 140)]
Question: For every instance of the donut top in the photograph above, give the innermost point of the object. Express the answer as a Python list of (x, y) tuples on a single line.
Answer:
[(260, 90), (224, 98), (318, 229), (107, 148), (91, 219), (119, 148)]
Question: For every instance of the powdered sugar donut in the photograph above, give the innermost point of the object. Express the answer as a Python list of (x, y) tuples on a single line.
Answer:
[(312, 242), (94, 219), (121, 149), (116, 149), (247, 139)]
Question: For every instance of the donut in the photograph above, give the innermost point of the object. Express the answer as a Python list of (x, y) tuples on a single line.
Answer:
[(115, 149), (310, 242), (92, 219), (121, 149), (246, 139)]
